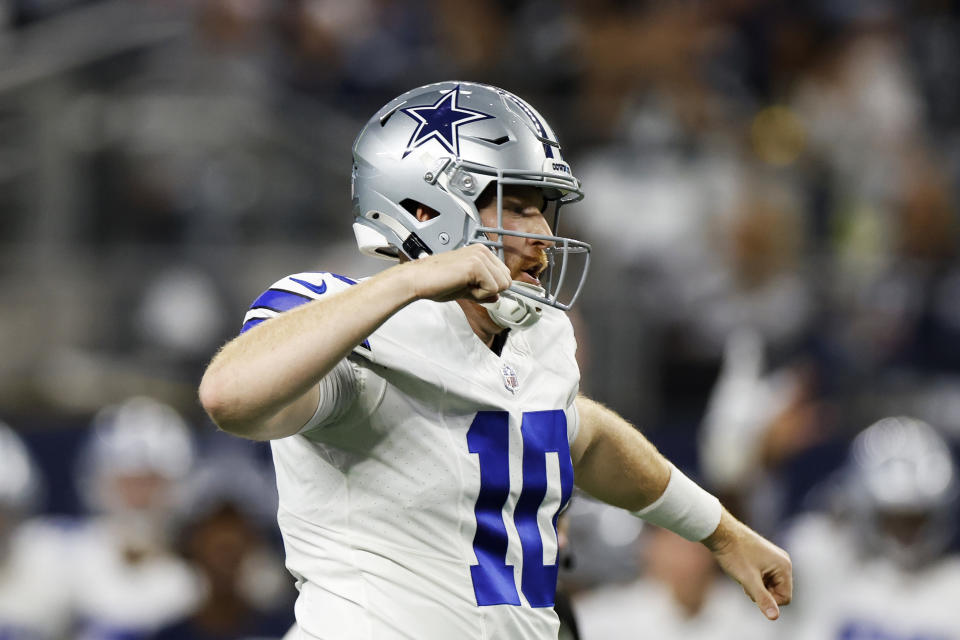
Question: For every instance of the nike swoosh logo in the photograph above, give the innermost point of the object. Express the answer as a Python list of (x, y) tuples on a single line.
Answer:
[(316, 288)]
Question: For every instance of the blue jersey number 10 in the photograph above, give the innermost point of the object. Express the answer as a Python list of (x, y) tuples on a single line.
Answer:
[(489, 435)]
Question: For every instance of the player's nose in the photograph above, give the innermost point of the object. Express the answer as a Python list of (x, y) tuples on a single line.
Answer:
[(539, 226)]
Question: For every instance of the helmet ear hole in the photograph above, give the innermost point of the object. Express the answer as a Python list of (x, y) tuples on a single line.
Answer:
[(419, 211)]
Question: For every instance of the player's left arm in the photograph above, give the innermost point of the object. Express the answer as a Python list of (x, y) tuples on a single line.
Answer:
[(615, 463)]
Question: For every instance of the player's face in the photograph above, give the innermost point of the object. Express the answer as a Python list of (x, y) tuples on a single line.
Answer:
[(523, 210), (139, 491)]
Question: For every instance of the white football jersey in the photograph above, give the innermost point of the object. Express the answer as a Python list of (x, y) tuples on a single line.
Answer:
[(113, 598), (34, 600), (841, 596), (428, 509)]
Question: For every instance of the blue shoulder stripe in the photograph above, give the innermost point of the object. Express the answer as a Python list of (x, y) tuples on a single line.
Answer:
[(344, 278), (277, 300)]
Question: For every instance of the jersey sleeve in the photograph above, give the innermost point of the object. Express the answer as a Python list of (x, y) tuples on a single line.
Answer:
[(573, 421), (339, 390), (293, 291)]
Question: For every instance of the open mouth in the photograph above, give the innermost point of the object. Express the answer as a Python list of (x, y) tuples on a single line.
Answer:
[(532, 275)]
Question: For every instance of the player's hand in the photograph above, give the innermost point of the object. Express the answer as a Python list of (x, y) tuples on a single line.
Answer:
[(473, 272), (763, 569)]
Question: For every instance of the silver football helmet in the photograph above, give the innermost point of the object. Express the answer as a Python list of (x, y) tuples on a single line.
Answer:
[(441, 146), (902, 483), (138, 436), (132, 468)]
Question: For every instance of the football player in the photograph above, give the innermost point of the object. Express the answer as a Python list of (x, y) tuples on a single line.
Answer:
[(877, 568), (224, 512), (425, 422), (677, 592), (34, 603), (126, 579)]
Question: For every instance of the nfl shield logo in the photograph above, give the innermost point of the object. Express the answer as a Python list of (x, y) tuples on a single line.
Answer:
[(510, 379)]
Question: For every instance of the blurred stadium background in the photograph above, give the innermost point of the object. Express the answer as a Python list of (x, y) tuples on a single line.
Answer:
[(772, 195)]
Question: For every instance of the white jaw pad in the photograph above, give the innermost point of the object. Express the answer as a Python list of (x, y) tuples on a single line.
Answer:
[(515, 311), (371, 242)]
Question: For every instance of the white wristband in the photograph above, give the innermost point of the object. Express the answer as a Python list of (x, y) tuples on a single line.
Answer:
[(684, 508)]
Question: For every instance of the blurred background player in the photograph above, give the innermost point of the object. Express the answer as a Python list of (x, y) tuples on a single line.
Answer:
[(877, 567), (33, 598), (679, 595), (224, 524), (126, 579), (757, 419)]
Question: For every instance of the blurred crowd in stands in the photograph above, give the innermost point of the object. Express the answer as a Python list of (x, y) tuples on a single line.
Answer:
[(772, 198)]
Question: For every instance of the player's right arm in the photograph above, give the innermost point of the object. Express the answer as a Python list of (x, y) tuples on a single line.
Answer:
[(263, 384)]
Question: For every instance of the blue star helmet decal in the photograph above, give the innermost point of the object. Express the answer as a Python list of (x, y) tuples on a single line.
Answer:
[(441, 121)]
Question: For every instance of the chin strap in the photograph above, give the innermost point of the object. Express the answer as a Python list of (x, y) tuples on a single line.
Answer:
[(516, 311)]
